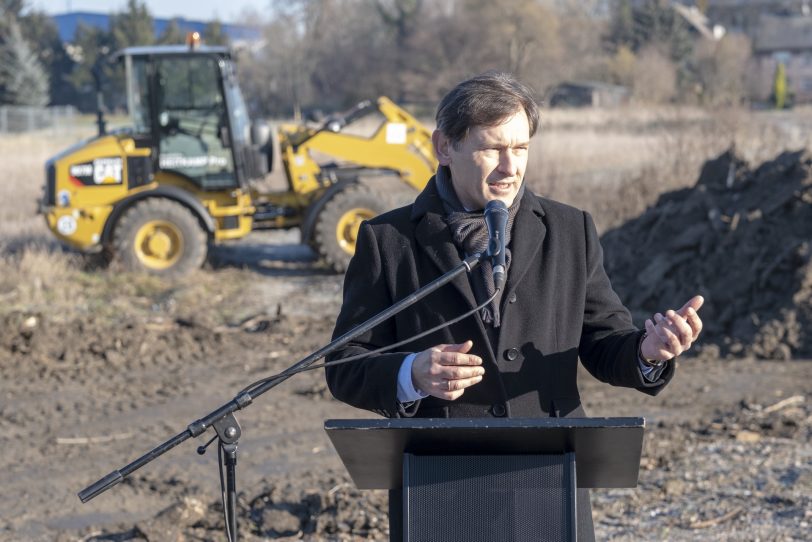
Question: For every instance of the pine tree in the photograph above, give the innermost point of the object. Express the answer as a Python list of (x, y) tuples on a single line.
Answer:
[(23, 80), (780, 86), (213, 34), (133, 26), (172, 34), (621, 30), (42, 35), (89, 48)]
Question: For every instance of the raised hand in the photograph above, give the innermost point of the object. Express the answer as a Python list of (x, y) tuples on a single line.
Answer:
[(669, 335)]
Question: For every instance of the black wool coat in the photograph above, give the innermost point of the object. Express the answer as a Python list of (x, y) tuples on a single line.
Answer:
[(558, 306)]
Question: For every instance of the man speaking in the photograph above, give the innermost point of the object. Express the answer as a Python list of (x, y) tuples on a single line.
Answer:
[(518, 356)]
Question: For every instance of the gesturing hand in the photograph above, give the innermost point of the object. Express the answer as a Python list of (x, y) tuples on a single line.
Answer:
[(670, 335), (445, 370)]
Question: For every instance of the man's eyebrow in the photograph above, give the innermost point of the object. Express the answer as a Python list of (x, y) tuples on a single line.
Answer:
[(489, 143)]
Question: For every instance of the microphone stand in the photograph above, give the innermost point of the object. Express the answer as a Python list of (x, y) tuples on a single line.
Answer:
[(225, 424)]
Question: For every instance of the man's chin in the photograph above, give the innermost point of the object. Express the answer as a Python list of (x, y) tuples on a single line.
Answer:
[(505, 197)]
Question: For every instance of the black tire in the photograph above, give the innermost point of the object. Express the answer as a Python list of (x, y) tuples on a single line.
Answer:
[(395, 191), (161, 237), (337, 224)]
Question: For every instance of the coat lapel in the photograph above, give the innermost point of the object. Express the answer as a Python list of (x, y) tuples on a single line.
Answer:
[(434, 238), (526, 239)]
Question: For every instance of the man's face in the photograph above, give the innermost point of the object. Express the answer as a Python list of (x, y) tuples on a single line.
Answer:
[(489, 163)]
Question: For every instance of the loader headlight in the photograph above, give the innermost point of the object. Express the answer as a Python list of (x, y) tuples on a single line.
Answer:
[(63, 198), (66, 225)]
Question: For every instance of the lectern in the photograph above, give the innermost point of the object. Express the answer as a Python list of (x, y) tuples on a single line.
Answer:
[(486, 479)]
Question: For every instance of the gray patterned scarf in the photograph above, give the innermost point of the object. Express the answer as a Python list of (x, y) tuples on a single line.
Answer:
[(470, 235)]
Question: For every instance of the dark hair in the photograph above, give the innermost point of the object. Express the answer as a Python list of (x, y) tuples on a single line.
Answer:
[(484, 100)]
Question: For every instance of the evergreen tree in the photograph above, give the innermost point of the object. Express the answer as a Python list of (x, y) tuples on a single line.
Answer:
[(89, 48), (133, 26), (213, 34), (654, 22), (23, 80), (621, 31), (42, 34), (11, 8), (172, 34), (780, 86)]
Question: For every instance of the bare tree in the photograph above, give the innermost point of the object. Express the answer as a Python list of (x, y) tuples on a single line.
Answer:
[(655, 77), (721, 68)]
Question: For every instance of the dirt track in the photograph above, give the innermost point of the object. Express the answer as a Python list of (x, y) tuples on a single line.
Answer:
[(86, 392)]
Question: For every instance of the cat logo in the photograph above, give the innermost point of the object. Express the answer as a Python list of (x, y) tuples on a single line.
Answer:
[(107, 170), (102, 171)]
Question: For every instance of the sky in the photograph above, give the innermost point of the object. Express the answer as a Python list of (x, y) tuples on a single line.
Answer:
[(204, 10)]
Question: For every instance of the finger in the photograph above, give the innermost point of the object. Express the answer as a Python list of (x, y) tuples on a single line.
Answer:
[(651, 329), (695, 303), (655, 342), (659, 327), (461, 347), (456, 358), (681, 328), (451, 395), (673, 344), (695, 322), (457, 372), (461, 384)]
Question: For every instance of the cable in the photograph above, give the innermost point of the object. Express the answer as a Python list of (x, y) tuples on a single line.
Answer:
[(289, 372)]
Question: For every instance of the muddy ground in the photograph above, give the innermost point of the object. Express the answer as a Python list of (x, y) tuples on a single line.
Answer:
[(90, 387)]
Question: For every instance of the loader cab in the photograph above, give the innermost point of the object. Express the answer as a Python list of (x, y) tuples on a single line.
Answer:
[(187, 105)]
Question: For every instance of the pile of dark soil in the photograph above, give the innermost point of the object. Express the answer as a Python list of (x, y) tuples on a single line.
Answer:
[(742, 238)]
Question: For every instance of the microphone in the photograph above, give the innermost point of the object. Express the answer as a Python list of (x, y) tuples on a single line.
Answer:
[(496, 217)]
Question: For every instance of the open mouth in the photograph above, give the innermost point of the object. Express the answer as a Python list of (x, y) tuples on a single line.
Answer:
[(500, 186)]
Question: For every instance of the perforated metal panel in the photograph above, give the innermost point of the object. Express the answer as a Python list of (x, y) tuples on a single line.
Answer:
[(516, 498)]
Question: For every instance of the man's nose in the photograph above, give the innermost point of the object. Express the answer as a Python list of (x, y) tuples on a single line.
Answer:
[(508, 163)]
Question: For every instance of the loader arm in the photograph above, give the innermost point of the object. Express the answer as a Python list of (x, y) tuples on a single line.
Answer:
[(400, 144)]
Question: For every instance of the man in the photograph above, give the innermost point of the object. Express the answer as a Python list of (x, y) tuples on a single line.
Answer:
[(518, 356)]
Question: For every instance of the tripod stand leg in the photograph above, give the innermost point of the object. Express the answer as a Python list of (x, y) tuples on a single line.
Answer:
[(230, 453)]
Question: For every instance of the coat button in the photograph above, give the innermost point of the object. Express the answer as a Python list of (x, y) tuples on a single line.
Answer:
[(511, 354), (512, 298), (498, 410)]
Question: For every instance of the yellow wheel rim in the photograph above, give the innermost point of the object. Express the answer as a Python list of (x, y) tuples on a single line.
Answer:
[(348, 224), (158, 244)]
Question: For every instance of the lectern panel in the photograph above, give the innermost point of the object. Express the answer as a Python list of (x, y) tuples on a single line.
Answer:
[(511, 498)]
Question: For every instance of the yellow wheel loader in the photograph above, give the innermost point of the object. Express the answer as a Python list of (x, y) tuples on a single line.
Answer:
[(155, 195)]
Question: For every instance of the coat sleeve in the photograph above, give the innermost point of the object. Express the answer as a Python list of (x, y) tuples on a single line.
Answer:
[(369, 383), (609, 340)]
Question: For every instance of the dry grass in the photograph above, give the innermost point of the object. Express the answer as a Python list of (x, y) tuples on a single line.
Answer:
[(38, 276), (613, 163)]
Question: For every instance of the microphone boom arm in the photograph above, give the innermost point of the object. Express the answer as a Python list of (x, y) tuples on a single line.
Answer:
[(245, 398)]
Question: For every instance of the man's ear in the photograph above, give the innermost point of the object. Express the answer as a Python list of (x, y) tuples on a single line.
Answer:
[(441, 147)]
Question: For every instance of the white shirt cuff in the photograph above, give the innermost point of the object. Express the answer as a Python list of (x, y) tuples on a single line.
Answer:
[(406, 390)]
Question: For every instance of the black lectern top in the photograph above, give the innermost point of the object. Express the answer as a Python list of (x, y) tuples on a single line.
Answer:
[(607, 450)]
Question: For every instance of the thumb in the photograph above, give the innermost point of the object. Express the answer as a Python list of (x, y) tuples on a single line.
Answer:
[(462, 348), (695, 303)]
